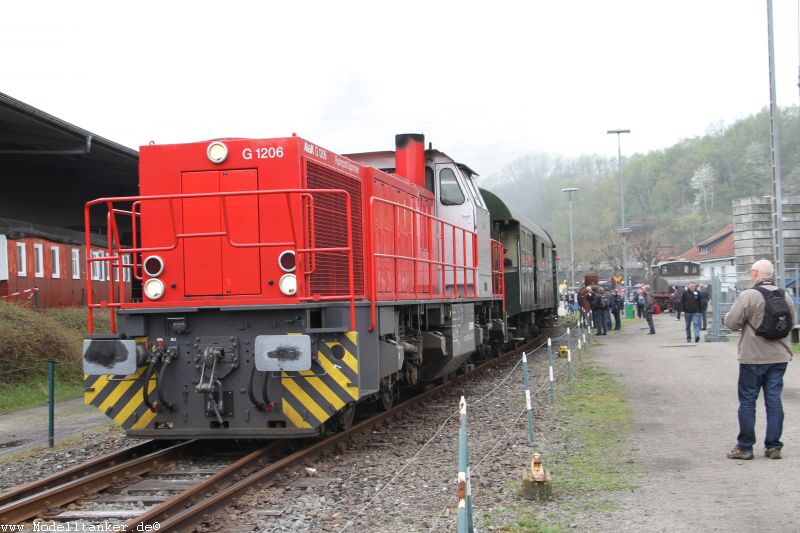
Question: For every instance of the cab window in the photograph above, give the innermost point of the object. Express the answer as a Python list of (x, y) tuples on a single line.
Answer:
[(450, 192), (475, 192)]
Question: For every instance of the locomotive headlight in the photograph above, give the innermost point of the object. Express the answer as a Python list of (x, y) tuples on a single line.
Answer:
[(153, 266), (287, 261), (288, 284), (153, 288), (217, 152)]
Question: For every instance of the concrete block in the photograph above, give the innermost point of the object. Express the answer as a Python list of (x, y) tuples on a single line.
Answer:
[(752, 217), (748, 226), (752, 234), (531, 489), (748, 200)]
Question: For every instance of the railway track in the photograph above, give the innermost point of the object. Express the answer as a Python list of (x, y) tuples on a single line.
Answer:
[(197, 499)]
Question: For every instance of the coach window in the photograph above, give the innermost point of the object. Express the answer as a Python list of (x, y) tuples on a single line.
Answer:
[(508, 239), (38, 260), (55, 256), (76, 263), (450, 192), (22, 260)]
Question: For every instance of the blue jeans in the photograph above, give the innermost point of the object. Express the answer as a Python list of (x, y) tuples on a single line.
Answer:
[(752, 378), (599, 319), (692, 318)]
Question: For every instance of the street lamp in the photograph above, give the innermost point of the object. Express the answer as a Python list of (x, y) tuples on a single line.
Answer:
[(622, 228), (569, 191)]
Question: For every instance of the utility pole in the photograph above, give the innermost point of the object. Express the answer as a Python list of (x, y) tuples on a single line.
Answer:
[(569, 191), (622, 228), (774, 128)]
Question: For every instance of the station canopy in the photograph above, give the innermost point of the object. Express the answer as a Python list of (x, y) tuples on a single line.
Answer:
[(49, 168)]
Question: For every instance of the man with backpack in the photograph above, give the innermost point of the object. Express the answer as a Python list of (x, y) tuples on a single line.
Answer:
[(599, 302), (617, 305), (765, 315), (640, 303)]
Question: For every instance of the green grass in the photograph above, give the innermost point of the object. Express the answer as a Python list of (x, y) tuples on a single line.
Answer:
[(598, 421), (529, 522), (796, 347), (33, 393), (28, 340)]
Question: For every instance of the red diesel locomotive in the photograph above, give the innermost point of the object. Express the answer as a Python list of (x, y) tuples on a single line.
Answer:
[(281, 284)]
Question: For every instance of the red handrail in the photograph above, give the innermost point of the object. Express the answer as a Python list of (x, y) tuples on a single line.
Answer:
[(116, 250), (415, 260)]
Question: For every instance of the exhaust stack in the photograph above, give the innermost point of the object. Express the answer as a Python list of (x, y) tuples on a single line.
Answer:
[(410, 157)]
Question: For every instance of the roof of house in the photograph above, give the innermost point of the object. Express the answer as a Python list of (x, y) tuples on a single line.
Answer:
[(717, 246)]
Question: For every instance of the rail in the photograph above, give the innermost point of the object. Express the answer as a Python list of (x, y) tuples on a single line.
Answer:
[(117, 253), (441, 263)]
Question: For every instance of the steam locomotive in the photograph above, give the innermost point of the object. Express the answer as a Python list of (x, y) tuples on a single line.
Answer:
[(277, 285)]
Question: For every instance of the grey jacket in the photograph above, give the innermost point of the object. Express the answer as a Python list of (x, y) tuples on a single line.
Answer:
[(649, 302), (746, 314)]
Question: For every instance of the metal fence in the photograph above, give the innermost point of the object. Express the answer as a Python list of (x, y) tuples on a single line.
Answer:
[(723, 294)]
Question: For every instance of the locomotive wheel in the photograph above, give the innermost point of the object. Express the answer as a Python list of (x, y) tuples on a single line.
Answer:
[(344, 419), (386, 397)]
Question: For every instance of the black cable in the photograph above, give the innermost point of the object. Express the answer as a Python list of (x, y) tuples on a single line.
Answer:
[(160, 383), (145, 393), (260, 406)]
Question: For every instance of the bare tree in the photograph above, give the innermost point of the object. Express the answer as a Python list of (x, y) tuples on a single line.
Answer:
[(703, 181), (643, 242)]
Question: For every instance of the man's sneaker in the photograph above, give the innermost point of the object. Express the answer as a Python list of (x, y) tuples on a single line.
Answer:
[(744, 455), (697, 339), (773, 453), (688, 340)]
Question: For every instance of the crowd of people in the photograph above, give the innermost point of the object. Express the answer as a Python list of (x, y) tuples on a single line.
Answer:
[(599, 306), (765, 316)]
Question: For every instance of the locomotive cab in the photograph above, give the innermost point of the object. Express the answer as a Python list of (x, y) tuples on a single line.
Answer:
[(458, 202)]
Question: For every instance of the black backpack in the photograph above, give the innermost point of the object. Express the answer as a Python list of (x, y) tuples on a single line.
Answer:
[(777, 322), (603, 301)]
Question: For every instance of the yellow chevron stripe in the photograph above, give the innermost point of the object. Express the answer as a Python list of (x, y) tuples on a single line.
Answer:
[(353, 336), (132, 404), (144, 420), (98, 387), (326, 392), (120, 389), (337, 375), (293, 416), (304, 399), (348, 358)]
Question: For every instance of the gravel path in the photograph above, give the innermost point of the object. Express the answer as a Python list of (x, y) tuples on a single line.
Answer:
[(685, 402), (28, 428)]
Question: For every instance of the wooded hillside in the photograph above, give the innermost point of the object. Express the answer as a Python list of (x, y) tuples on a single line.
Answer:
[(675, 197)]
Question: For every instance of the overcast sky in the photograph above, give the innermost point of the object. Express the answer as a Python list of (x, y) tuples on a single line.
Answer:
[(485, 81)]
